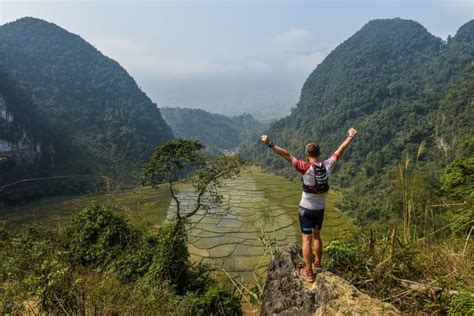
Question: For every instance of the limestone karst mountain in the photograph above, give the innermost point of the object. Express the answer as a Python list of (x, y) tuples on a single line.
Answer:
[(391, 81), (103, 119)]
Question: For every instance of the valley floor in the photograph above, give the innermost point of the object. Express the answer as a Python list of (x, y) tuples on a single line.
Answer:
[(227, 237)]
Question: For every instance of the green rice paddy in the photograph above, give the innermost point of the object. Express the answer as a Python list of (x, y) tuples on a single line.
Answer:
[(226, 237)]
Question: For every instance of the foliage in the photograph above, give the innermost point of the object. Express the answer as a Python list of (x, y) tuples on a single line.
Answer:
[(121, 269), (339, 256), (463, 304), (33, 266), (172, 161), (461, 221), (215, 301), (97, 236), (171, 264), (458, 178), (182, 160), (380, 263), (454, 130)]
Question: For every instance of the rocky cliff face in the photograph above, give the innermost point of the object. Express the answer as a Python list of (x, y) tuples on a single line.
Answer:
[(287, 294), (15, 143)]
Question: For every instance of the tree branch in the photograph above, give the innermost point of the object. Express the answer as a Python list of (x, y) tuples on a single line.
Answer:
[(204, 189), (425, 288), (175, 198), (198, 204)]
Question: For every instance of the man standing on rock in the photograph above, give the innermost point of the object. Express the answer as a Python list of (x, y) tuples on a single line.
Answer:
[(313, 200)]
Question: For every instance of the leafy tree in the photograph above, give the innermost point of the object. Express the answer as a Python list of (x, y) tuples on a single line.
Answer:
[(97, 236), (181, 160)]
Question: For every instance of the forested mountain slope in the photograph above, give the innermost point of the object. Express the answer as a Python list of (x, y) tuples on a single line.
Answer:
[(56, 84), (454, 128), (32, 148), (213, 130), (25, 138), (387, 80), (89, 97)]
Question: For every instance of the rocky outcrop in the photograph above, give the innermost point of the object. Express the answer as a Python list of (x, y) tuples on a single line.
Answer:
[(15, 142), (287, 294)]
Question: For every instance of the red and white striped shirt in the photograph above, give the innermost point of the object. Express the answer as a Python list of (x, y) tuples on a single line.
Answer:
[(309, 200)]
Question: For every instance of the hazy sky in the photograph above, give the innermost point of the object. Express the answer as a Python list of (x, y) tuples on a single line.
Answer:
[(228, 56)]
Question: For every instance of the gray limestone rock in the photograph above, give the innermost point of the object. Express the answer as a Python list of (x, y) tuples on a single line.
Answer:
[(287, 294)]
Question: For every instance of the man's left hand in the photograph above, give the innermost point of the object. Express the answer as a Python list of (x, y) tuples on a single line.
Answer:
[(352, 132)]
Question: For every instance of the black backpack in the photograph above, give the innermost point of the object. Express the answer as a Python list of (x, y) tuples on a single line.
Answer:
[(320, 179)]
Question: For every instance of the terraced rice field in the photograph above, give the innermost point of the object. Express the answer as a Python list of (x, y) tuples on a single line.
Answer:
[(229, 239), (226, 237)]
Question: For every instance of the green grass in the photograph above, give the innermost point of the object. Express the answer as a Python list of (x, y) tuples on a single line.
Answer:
[(226, 238), (144, 205)]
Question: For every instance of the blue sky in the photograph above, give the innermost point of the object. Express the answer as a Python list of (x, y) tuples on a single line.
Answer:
[(228, 56)]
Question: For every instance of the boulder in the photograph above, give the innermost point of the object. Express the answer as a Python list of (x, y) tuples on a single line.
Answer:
[(285, 293)]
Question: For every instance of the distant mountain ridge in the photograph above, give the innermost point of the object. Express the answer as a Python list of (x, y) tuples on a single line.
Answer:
[(110, 124), (219, 132)]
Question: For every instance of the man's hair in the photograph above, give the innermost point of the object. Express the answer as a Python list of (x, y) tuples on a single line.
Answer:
[(312, 150)]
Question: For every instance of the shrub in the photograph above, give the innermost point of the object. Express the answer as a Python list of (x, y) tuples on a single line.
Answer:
[(55, 289), (215, 301), (458, 178), (463, 304), (97, 236), (132, 264), (33, 270), (200, 277), (140, 271), (338, 256), (172, 263)]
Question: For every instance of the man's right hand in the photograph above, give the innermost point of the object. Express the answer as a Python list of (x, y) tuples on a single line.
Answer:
[(265, 139)]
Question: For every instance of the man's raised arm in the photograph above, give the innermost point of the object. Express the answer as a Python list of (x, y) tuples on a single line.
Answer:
[(280, 151), (351, 134)]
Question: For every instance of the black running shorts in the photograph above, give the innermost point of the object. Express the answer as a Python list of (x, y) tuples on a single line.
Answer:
[(310, 219)]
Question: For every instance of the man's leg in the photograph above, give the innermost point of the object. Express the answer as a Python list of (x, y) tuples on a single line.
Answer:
[(307, 251), (306, 225), (318, 248)]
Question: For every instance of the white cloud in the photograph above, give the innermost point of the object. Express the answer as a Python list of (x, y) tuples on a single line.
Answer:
[(305, 61), (139, 57), (293, 34)]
